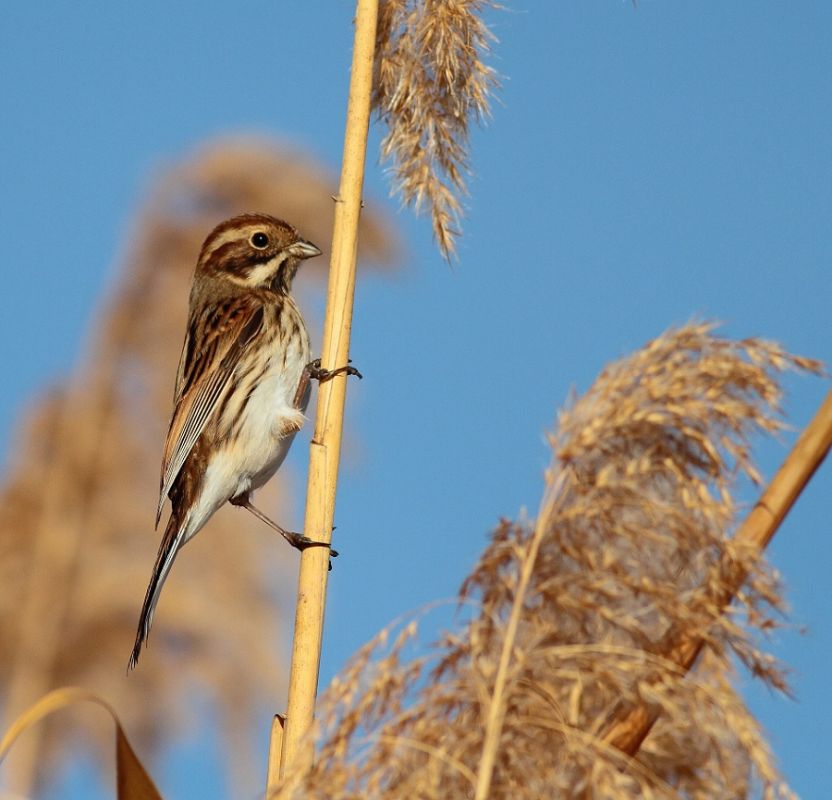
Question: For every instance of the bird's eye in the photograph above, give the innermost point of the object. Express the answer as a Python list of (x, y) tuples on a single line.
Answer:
[(259, 240)]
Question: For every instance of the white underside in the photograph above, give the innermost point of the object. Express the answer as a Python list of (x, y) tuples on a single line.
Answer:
[(262, 446)]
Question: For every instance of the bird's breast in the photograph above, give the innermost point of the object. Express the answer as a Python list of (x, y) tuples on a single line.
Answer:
[(270, 418)]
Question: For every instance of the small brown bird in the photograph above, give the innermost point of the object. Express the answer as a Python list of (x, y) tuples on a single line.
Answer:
[(242, 386)]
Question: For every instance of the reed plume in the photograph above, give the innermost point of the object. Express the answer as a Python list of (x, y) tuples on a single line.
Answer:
[(565, 616), (77, 506), (431, 82)]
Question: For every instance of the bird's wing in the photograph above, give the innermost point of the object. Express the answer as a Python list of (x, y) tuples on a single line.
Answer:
[(214, 344)]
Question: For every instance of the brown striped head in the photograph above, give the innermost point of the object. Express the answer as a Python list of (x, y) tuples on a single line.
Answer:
[(255, 251)]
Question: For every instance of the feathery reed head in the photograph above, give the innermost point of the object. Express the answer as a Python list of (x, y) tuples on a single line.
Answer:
[(571, 610), (430, 83)]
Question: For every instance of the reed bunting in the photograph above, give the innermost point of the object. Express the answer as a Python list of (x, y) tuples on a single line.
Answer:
[(242, 386)]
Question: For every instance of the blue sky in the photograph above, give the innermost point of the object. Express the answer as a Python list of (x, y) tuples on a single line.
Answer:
[(644, 165)]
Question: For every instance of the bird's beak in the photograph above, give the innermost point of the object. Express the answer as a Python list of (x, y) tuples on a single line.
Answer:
[(304, 249)]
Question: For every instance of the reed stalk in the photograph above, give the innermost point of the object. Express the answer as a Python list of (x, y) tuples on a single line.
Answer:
[(325, 447)]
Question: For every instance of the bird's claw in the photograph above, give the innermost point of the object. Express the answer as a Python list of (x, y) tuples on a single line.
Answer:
[(320, 374), (301, 542)]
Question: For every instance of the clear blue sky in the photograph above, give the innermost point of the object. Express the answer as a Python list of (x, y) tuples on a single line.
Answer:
[(644, 165)]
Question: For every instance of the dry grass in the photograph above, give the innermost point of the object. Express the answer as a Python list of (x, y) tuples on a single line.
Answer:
[(431, 83), (76, 509), (567, 614)]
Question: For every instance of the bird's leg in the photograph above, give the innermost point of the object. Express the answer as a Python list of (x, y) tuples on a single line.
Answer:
[(297, 540), (303, 390)]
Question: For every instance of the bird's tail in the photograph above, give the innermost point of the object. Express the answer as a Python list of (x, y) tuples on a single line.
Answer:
[(171, 542)]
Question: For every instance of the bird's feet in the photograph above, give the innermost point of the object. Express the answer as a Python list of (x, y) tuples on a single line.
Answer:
[(315, 370), (301, 542)]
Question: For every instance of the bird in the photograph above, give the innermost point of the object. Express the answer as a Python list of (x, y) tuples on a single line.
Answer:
[(242, 386)]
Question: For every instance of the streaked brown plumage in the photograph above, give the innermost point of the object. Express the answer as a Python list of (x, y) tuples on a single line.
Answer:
[(242, 384)]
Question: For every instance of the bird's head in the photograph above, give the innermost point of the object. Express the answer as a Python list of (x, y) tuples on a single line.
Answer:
[(255, 251)]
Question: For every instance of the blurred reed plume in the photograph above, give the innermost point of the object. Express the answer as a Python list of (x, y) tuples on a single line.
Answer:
[(566, 615), (76, 507), (430, 83)]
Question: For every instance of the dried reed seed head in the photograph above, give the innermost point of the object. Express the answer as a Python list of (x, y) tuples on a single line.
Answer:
[(430, 83), (636, 511)]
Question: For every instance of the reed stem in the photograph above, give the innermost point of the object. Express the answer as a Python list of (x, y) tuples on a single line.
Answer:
[(325, 449)]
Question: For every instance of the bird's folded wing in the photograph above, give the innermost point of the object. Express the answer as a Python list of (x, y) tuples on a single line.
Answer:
[(213, 347)]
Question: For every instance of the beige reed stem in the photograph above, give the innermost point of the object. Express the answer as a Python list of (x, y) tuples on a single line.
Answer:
[(629, 725), (325, 449)]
